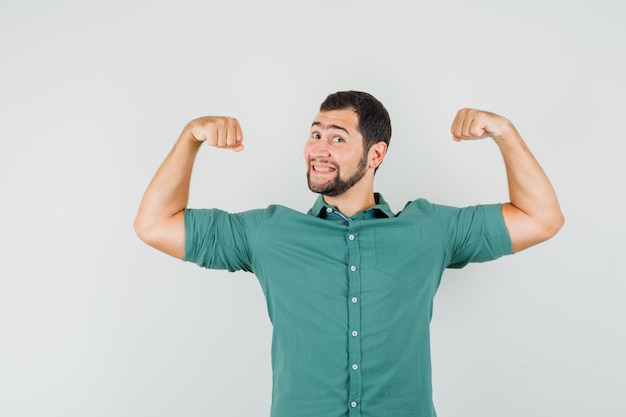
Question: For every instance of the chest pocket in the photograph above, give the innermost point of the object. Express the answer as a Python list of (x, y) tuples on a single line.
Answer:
[(404, 253)]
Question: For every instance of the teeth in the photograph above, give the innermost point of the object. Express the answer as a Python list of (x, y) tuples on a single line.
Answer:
[(323, 169)]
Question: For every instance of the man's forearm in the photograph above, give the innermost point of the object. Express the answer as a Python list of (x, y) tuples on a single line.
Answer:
[(530, 190), (168, 192)]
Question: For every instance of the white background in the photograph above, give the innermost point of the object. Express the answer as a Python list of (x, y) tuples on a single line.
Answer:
[(92, 97)]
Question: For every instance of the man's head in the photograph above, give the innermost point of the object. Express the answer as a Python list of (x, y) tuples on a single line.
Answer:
[(348, 141), (373, 119)]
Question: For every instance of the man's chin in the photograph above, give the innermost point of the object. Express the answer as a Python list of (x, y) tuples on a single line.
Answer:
[(320, 187), (326, 189)]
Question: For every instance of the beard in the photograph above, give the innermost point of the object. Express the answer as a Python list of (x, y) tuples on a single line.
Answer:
[(337, 185)]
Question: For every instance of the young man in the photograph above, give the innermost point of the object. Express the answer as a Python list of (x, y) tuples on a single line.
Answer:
[(349, 285)]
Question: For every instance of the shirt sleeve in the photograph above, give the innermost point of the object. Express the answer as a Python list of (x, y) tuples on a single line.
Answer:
[(474, 234), (216, 239)]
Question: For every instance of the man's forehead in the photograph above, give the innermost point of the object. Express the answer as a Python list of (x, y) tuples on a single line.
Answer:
[(344, 119)]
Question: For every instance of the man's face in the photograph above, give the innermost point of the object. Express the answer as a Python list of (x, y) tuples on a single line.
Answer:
[(334, 153)]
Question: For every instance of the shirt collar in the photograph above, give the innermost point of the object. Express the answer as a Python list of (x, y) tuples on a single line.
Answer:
[(381, 209)]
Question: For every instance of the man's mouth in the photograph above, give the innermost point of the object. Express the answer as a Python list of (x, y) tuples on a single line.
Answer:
[(322, 168)]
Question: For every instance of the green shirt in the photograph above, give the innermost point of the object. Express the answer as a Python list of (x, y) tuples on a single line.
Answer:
[(350, 299)]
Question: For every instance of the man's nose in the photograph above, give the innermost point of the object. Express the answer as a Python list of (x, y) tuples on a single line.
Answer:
[(320, 149)]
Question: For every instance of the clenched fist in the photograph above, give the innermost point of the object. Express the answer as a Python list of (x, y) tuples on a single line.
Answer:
[(477, 124), (217, 131)]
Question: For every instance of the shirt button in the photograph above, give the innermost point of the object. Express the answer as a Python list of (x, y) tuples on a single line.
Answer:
[(353, 404), (355, 333), (355, 300), (329, 210), (355, 366), (351, 237), (353, 268)]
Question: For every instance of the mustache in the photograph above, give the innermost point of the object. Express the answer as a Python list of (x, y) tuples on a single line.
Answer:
[(323, 161)]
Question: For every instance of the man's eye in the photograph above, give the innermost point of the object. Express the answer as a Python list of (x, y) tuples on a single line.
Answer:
[(337, 139), (315, 135)]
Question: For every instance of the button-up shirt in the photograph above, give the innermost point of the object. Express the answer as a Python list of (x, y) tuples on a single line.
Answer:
[(350, 298)]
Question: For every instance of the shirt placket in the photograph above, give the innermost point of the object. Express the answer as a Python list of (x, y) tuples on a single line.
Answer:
[(353, 256), (354, 318)]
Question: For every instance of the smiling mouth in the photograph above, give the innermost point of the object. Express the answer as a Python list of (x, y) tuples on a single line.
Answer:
[(320, 166), (322, 169)]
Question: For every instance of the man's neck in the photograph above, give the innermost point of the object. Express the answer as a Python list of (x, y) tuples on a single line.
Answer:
[(353, 201)]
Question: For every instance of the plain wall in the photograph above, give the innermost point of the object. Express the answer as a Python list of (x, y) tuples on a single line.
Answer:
[(94, 94)]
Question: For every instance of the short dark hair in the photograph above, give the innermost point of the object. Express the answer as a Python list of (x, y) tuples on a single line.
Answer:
[(374, 121)]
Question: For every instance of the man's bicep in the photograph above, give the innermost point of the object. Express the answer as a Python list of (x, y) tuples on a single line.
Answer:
[(169, 236), (216, 239), (474, 233), (524, 232)]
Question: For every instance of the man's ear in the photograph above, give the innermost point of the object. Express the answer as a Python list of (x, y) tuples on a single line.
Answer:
[(376, 154)]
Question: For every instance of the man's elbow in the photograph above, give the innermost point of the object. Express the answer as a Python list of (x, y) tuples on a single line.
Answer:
[(143, 230), (552, 225), (558, 223), (527, 232)]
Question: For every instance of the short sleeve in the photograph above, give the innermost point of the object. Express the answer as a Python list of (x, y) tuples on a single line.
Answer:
[(217, 239), (474, 234)]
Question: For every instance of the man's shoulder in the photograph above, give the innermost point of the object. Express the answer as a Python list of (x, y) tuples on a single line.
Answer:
[(419, 205), (277, 210), (426, 206), (273, 213)]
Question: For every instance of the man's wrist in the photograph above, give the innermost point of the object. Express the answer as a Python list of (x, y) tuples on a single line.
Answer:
[(506, 133)]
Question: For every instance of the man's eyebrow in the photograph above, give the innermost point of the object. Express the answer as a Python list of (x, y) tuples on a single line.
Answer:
[(330, 127)]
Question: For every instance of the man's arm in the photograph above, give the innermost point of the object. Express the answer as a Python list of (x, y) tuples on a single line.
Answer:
[(160, 220), (533, 215)]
